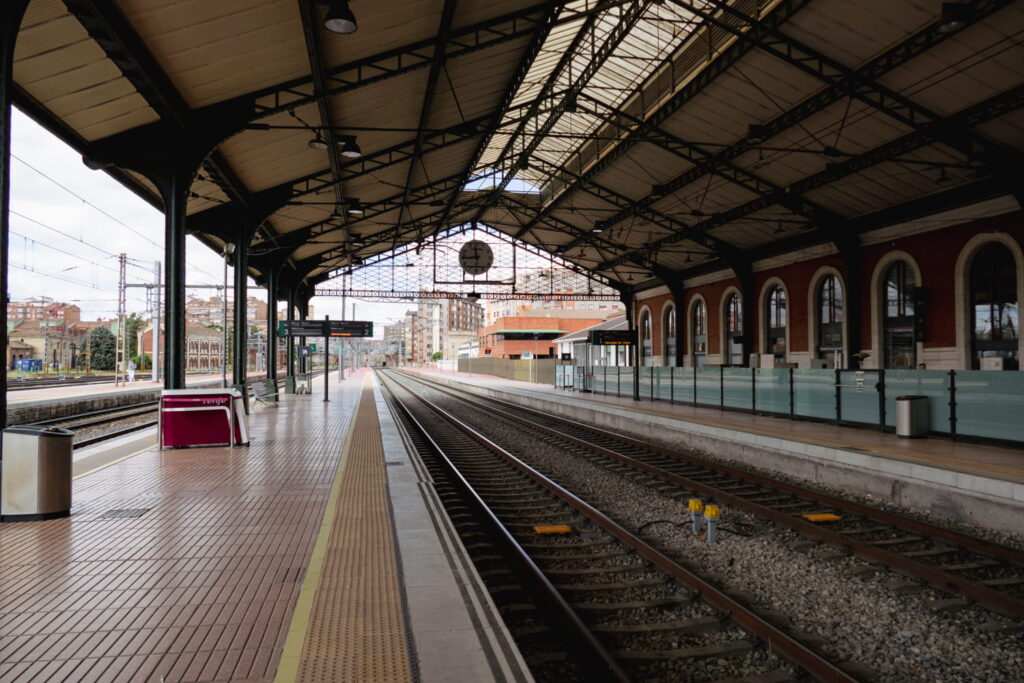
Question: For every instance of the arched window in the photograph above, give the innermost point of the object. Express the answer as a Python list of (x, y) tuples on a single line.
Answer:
[(646, 351), (734, 329), (776, 316), (995, 311), (830, 321), (669, 326), (898, 322), (699, 338)]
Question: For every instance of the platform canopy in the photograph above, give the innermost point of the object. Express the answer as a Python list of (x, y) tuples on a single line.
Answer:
[(635, 139)]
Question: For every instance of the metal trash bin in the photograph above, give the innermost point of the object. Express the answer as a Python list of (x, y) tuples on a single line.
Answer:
[(912, 417), (302, 383), (35, 478)]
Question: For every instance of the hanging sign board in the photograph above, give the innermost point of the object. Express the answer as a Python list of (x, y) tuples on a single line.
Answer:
[(323, 328), (300, 328), (350, 328), (611, 337)]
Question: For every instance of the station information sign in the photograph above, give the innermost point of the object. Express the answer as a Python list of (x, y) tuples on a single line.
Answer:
[(350, 328), (324, 328), (611, 337)]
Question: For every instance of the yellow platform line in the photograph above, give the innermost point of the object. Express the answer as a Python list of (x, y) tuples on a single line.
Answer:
[(291, 656)]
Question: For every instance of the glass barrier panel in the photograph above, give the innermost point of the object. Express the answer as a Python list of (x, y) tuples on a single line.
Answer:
[(645, 383), (931, 383), (990, 403), (772, 388), (859, 396), (709, 386), (624, 387), (814, 393), (739, 387), (682, 385), (663, 382)]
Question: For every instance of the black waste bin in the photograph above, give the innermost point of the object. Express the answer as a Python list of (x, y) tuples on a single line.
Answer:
[(35, 473), (912, 417)]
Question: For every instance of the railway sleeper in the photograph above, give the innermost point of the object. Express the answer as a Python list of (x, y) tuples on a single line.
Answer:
[(671, 601), (623, 585), (697, 625), (732, 648)]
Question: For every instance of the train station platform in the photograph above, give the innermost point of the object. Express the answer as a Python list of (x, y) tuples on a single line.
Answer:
[(318, 553), (973, 483)]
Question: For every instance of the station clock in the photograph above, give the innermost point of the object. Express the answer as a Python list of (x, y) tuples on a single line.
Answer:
[(476, 257)]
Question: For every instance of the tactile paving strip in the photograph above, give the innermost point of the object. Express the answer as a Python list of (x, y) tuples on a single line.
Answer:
[(199, 588), (356, 630)]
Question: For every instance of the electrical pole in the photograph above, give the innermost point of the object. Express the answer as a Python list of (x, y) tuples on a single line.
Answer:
[(121, 344), (158, 273)]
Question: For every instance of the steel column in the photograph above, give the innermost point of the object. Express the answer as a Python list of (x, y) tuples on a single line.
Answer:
[(10, 21), (174, 188), (290, 344), (241, 295), (272, 277)]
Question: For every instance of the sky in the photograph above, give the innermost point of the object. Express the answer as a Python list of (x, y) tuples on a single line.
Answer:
[(69, 223)]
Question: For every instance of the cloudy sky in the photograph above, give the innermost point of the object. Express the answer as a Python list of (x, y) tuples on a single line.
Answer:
[(69, 223)]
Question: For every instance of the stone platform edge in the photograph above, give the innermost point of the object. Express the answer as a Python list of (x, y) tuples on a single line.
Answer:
[(457, 630), (963, 497)]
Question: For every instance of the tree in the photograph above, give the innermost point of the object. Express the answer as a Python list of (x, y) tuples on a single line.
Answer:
[(437, 356), (103, 348), (133, 323)]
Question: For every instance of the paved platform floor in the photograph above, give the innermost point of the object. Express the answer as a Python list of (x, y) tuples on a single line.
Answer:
[(202, 564)]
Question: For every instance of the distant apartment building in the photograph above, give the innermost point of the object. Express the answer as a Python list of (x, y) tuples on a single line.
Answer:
[(529, 337), (203, 312), (43, 308), (442, 325), (546, 286)]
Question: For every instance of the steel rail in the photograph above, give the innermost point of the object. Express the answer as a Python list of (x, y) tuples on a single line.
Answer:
[(992, 599), (139, 408), (779, 641), (112, 435), (593, 655)]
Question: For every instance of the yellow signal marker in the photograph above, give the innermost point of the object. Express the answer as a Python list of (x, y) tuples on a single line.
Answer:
[(821, 517), (552, 529), (712, 511)]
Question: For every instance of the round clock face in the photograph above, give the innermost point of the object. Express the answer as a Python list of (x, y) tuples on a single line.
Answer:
[(476, 257)]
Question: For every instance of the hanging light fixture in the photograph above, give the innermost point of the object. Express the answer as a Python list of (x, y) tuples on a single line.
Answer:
[(778, 228), (317, 143), (955, 16), (339, 18), (943, 178), (355, 208), (350, 148)]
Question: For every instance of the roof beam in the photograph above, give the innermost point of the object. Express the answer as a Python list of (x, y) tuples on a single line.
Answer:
[(977, 114), (437, 63), (628, 17), (866, 89), (693, 87)]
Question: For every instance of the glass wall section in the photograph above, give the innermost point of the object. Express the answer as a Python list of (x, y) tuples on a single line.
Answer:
[(900, 350), (931, 383), (995, 311), (709, 385), (990, 404), (814, 393), (772, 389), (734, 330), (738, 385), (646, 349), (830, 321), (669, 341), (776, 317), (699, 340)]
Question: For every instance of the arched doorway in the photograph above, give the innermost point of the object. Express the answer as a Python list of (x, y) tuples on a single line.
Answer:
[(734, 329), (669, 342), (777, 317), (646, 350), (995, 310), (899, 346), (830, 321), (699, 336)]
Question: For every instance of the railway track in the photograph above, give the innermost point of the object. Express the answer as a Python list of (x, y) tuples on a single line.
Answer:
[(98, 418), (987, 573), (598, 602)]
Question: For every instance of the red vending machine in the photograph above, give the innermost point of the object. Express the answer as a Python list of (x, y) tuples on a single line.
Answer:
[(202, 417)]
